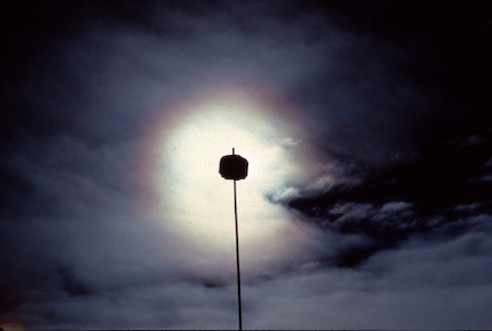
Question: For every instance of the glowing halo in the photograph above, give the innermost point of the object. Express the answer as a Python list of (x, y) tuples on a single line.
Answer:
[(182, 170)]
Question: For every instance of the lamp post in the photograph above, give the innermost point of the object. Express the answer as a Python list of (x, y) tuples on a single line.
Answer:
[(235, 167)]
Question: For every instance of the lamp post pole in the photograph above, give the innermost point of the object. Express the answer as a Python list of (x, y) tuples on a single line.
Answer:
[(237, 261), (235, 167)]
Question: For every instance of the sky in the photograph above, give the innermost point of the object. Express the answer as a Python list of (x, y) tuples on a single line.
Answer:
[(368, 131)]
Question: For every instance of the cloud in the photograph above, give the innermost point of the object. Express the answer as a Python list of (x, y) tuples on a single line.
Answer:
[(421, 285), (377, 216), (396, 206)]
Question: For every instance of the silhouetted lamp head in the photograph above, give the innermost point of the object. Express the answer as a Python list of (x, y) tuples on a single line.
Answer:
[(233, 167)]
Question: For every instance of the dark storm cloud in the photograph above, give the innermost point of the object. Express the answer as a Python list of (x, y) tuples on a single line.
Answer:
[(419, 131), (431, 192), (403, 88), (394, 97)]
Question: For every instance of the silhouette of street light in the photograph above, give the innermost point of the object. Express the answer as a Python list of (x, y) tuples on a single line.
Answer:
[(235, 167)]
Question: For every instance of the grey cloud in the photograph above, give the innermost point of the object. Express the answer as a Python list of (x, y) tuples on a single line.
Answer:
[(132, 307), (395, 206), (488, 164), (397, 228), (421, 285)]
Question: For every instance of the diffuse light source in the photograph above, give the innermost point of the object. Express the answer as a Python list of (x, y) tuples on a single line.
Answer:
[(235, 167)]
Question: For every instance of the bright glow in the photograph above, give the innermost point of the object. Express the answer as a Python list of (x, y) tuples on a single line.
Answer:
[(197, 202)]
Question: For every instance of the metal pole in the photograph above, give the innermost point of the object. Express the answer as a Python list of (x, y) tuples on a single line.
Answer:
[(237, 259)]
